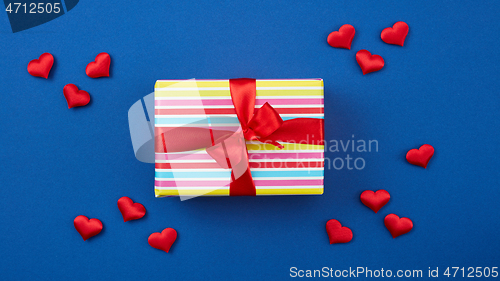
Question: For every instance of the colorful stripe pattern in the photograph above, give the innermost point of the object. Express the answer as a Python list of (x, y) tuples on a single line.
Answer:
[(295, 169)]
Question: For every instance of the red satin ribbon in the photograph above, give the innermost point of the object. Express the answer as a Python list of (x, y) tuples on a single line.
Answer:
[(255, 124), (262, 124)]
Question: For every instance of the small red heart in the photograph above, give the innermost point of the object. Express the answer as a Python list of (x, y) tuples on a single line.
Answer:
[(75, 97), (87, 228), (130, 210), (342, 38), (163, 240), (99, 67), (338, 233), (397, 226), (368, 62), (41, 67), (375, 200), (421, 156), (396, 34)]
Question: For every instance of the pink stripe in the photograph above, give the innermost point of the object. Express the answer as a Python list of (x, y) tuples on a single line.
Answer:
[(182, 156), (259, 101), (220, 183), (221, 128), (253, 155)]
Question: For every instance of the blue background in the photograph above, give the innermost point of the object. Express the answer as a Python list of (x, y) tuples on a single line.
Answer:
[(441, 88)]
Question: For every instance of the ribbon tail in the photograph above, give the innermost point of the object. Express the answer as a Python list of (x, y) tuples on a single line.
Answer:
[(231, 153), (242, 186)]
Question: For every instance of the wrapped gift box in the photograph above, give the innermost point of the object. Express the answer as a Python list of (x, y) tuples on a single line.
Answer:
[(196, 122)]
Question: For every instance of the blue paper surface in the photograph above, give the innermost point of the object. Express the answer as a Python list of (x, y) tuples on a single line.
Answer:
[(441, 88)]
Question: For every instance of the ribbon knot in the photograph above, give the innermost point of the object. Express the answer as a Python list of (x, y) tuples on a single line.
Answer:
[(264, 122)]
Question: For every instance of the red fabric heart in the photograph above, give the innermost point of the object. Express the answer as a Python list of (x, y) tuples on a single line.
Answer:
[(75, 97), (397, 226), (396, 34), (342, 38), (130, 210), (41, 67), (163, 240), (87, 228), (421, 156), (338, 233), (99, 67), (368, 62), (375, 200)]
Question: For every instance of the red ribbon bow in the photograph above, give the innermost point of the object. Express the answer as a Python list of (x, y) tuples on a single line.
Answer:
[(228, 149)]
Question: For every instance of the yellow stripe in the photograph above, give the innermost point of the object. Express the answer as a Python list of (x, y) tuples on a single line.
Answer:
[(225, 83), (301, 83), (294, 191), (227, 93), (225, 192), (178, 84), (287, 146)]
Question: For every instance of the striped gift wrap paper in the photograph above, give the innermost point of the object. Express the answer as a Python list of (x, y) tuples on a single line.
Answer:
[(296, 169)]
